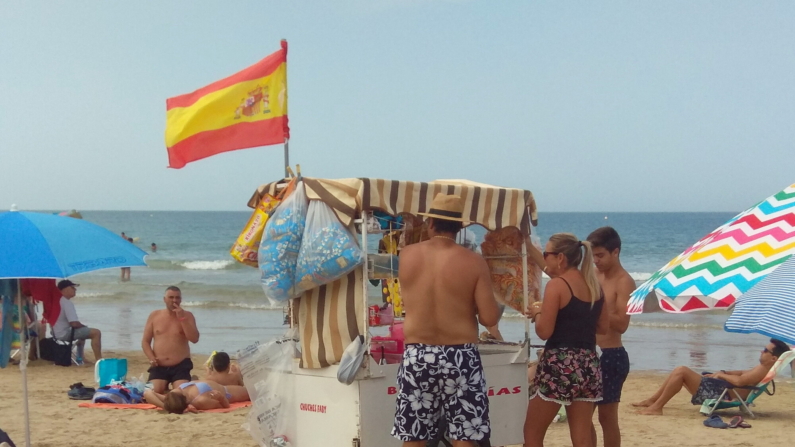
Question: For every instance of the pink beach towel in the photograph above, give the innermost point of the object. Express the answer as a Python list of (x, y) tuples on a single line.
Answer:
[(232, 407)]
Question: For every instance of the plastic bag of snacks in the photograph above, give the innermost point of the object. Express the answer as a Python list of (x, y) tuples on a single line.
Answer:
[(328, 250), (247, 244), (281, 241)]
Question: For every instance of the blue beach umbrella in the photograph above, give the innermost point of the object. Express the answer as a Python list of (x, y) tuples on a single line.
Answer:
[(769, 307), (37, 245)]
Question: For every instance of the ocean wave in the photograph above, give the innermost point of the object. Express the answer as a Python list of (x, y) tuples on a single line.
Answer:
[(637, 276), (672, 325), (207, 265), (218, 264), (234, 304)]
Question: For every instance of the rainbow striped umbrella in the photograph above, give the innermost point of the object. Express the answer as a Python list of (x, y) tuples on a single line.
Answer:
[(727, 262)]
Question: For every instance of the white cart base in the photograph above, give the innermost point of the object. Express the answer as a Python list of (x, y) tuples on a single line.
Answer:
[(331, 414)]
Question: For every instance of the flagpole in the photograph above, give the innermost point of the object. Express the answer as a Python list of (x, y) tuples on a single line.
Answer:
[(23, 361), (286, 158), (283, 44)]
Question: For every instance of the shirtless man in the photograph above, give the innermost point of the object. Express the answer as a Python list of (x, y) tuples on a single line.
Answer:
[(221, 370), (617, 285), (685, 377), (171, 328), (446, 291)]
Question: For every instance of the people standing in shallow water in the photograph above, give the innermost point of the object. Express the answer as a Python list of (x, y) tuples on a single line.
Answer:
[(568, 318), (617, 286), (125, 271), (154, 247)]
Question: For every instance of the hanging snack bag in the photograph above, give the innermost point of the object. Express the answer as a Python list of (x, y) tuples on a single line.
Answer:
[(247, 244), (281, 241), (328, 250)]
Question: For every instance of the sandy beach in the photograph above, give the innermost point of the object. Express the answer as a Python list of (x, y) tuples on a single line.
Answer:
[(57, 421)]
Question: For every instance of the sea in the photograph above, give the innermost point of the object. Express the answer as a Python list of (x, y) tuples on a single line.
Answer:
[(232, 311)]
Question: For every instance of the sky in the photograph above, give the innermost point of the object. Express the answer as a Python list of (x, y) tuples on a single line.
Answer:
[(592, 106)]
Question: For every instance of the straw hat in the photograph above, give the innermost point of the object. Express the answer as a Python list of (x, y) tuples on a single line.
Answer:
[(447, 207)]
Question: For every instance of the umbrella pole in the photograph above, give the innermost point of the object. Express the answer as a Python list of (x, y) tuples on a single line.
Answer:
[(23, 362)]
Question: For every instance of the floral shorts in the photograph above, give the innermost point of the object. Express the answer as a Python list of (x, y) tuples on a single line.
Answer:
[(566, 375), (441, 381)]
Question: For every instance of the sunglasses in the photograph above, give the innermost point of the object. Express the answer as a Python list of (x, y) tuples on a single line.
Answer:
[(550, 253), (767, 350)]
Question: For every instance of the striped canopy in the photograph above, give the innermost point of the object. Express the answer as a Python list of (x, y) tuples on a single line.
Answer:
[(331, 316), (727, 262), (769, 307), (491, 206)]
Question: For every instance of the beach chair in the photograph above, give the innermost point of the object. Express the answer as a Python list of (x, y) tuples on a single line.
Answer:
[(767, 385)]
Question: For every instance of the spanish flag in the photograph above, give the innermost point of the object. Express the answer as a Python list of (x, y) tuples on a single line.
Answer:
[(247, 109)]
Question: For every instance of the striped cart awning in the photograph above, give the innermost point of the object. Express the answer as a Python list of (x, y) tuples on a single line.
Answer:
[(330, 317), (769, 307)]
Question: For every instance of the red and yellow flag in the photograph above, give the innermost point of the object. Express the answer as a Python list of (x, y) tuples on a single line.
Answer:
[(247, 109)]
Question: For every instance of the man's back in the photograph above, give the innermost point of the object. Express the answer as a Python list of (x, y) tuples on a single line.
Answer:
[(440, 281)]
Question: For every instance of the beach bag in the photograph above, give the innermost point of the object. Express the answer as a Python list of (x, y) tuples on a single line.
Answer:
[(57, 352), (247, 244), (328, 250), (281, 242), (5, 439), (117, 394)]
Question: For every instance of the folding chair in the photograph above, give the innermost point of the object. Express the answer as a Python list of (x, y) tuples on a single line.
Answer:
[(77, 347), (710, 405), (32, 330)]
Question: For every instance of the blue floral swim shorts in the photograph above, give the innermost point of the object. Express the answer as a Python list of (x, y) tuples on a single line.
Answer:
[(435, 381)]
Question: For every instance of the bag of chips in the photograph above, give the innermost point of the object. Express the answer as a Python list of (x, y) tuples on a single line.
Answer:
[(281, 241), (328, 250), (247, 244)]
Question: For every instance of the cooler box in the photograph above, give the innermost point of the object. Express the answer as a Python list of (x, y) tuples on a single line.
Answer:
[(107, 371)]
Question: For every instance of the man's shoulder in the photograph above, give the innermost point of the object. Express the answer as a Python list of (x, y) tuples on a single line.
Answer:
[(157, 313), (622, 277)]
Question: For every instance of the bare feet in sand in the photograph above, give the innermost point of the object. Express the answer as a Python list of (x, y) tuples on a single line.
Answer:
[(651, 412), (643, 403)]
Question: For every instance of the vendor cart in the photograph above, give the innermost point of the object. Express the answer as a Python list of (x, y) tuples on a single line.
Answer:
[(330, 413)]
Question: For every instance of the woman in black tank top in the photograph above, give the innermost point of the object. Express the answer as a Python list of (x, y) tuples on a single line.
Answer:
[(568, 319)]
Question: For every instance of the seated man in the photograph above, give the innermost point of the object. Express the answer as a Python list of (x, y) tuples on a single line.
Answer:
[(67, 319), (193, 396), (222, 371), (686, 377)]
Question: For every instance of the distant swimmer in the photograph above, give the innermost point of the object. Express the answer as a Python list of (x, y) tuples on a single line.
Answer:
[(125, 271), (154, 247), (123, 236)]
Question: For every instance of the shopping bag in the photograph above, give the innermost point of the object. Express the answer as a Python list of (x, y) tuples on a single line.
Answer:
[(267, 374), (281, 241), (328, 250)]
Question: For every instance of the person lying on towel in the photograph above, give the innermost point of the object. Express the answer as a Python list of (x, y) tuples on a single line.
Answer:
[(696, 383), (220, 369), (195, 395)]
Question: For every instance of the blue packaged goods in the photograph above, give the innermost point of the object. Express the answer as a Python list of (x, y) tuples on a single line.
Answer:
[(328, 250), (281, 242)]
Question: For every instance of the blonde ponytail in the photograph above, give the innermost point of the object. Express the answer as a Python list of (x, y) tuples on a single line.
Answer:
[(589, 272)]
